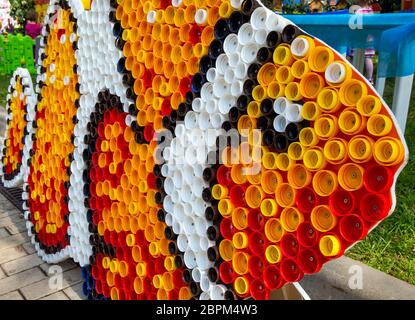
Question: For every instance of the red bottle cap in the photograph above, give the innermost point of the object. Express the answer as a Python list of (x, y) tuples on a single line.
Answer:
[(289, 245), (227, 229), (272, 277), (258, 290), (226, 273), (377, 179), (352, 228), (237, 195), (375, 207), (256, 242), (256, 266), (290, 270), (224, 176), (307, 235), (309, 261), (306, 199), (341, 202), (256, 220)]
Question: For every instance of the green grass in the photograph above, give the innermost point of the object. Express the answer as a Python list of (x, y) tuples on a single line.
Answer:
[(391, 246)]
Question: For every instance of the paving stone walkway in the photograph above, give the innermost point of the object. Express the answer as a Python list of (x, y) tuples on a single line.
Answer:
[(23, 275)]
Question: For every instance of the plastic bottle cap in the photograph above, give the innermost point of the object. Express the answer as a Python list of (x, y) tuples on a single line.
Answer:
[(352, 228), (329, 246), (274, 230), (351, 91), (369, 106), (324, 182), (350, 176), (379, 125), (322, 218), (240, 262)]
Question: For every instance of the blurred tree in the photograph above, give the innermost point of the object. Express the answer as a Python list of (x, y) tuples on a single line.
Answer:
[(19, 9)]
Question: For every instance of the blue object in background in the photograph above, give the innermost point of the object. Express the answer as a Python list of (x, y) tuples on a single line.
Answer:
[(391, 34)]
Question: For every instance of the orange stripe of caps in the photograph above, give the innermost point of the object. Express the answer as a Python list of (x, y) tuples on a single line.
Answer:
[(296, 151), (240, 218), (254, 196), (379, 125), (360, 149), (322, 218), (298, 176), (240, 262), (270, 180), (352, 91), (320, 58), (291, 218), (324, 182), (314, 159), (335, 150), (326, 126), (138, 285), (274, 230), (267, 74), (238, 174), (226, 250), (388, 151), (350, 176), (311, 84), (351, 122), (240, 240)]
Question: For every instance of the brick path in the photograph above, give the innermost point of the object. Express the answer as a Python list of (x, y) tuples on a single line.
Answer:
[(22, 274)]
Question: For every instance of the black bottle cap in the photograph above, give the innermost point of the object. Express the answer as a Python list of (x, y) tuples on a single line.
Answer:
[(161, 215), (213, 275), (215, 48), (195, 289), (234, 115), (263, 123), (187, 276), (221, 29), (281, 143), (264, 55), (268, 137), (236, 20), (213, 233), (205, 64), (293, 131), (274, 39), (290, 32), (207, 195), (242, 103), (267, 107), (213, 254)]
